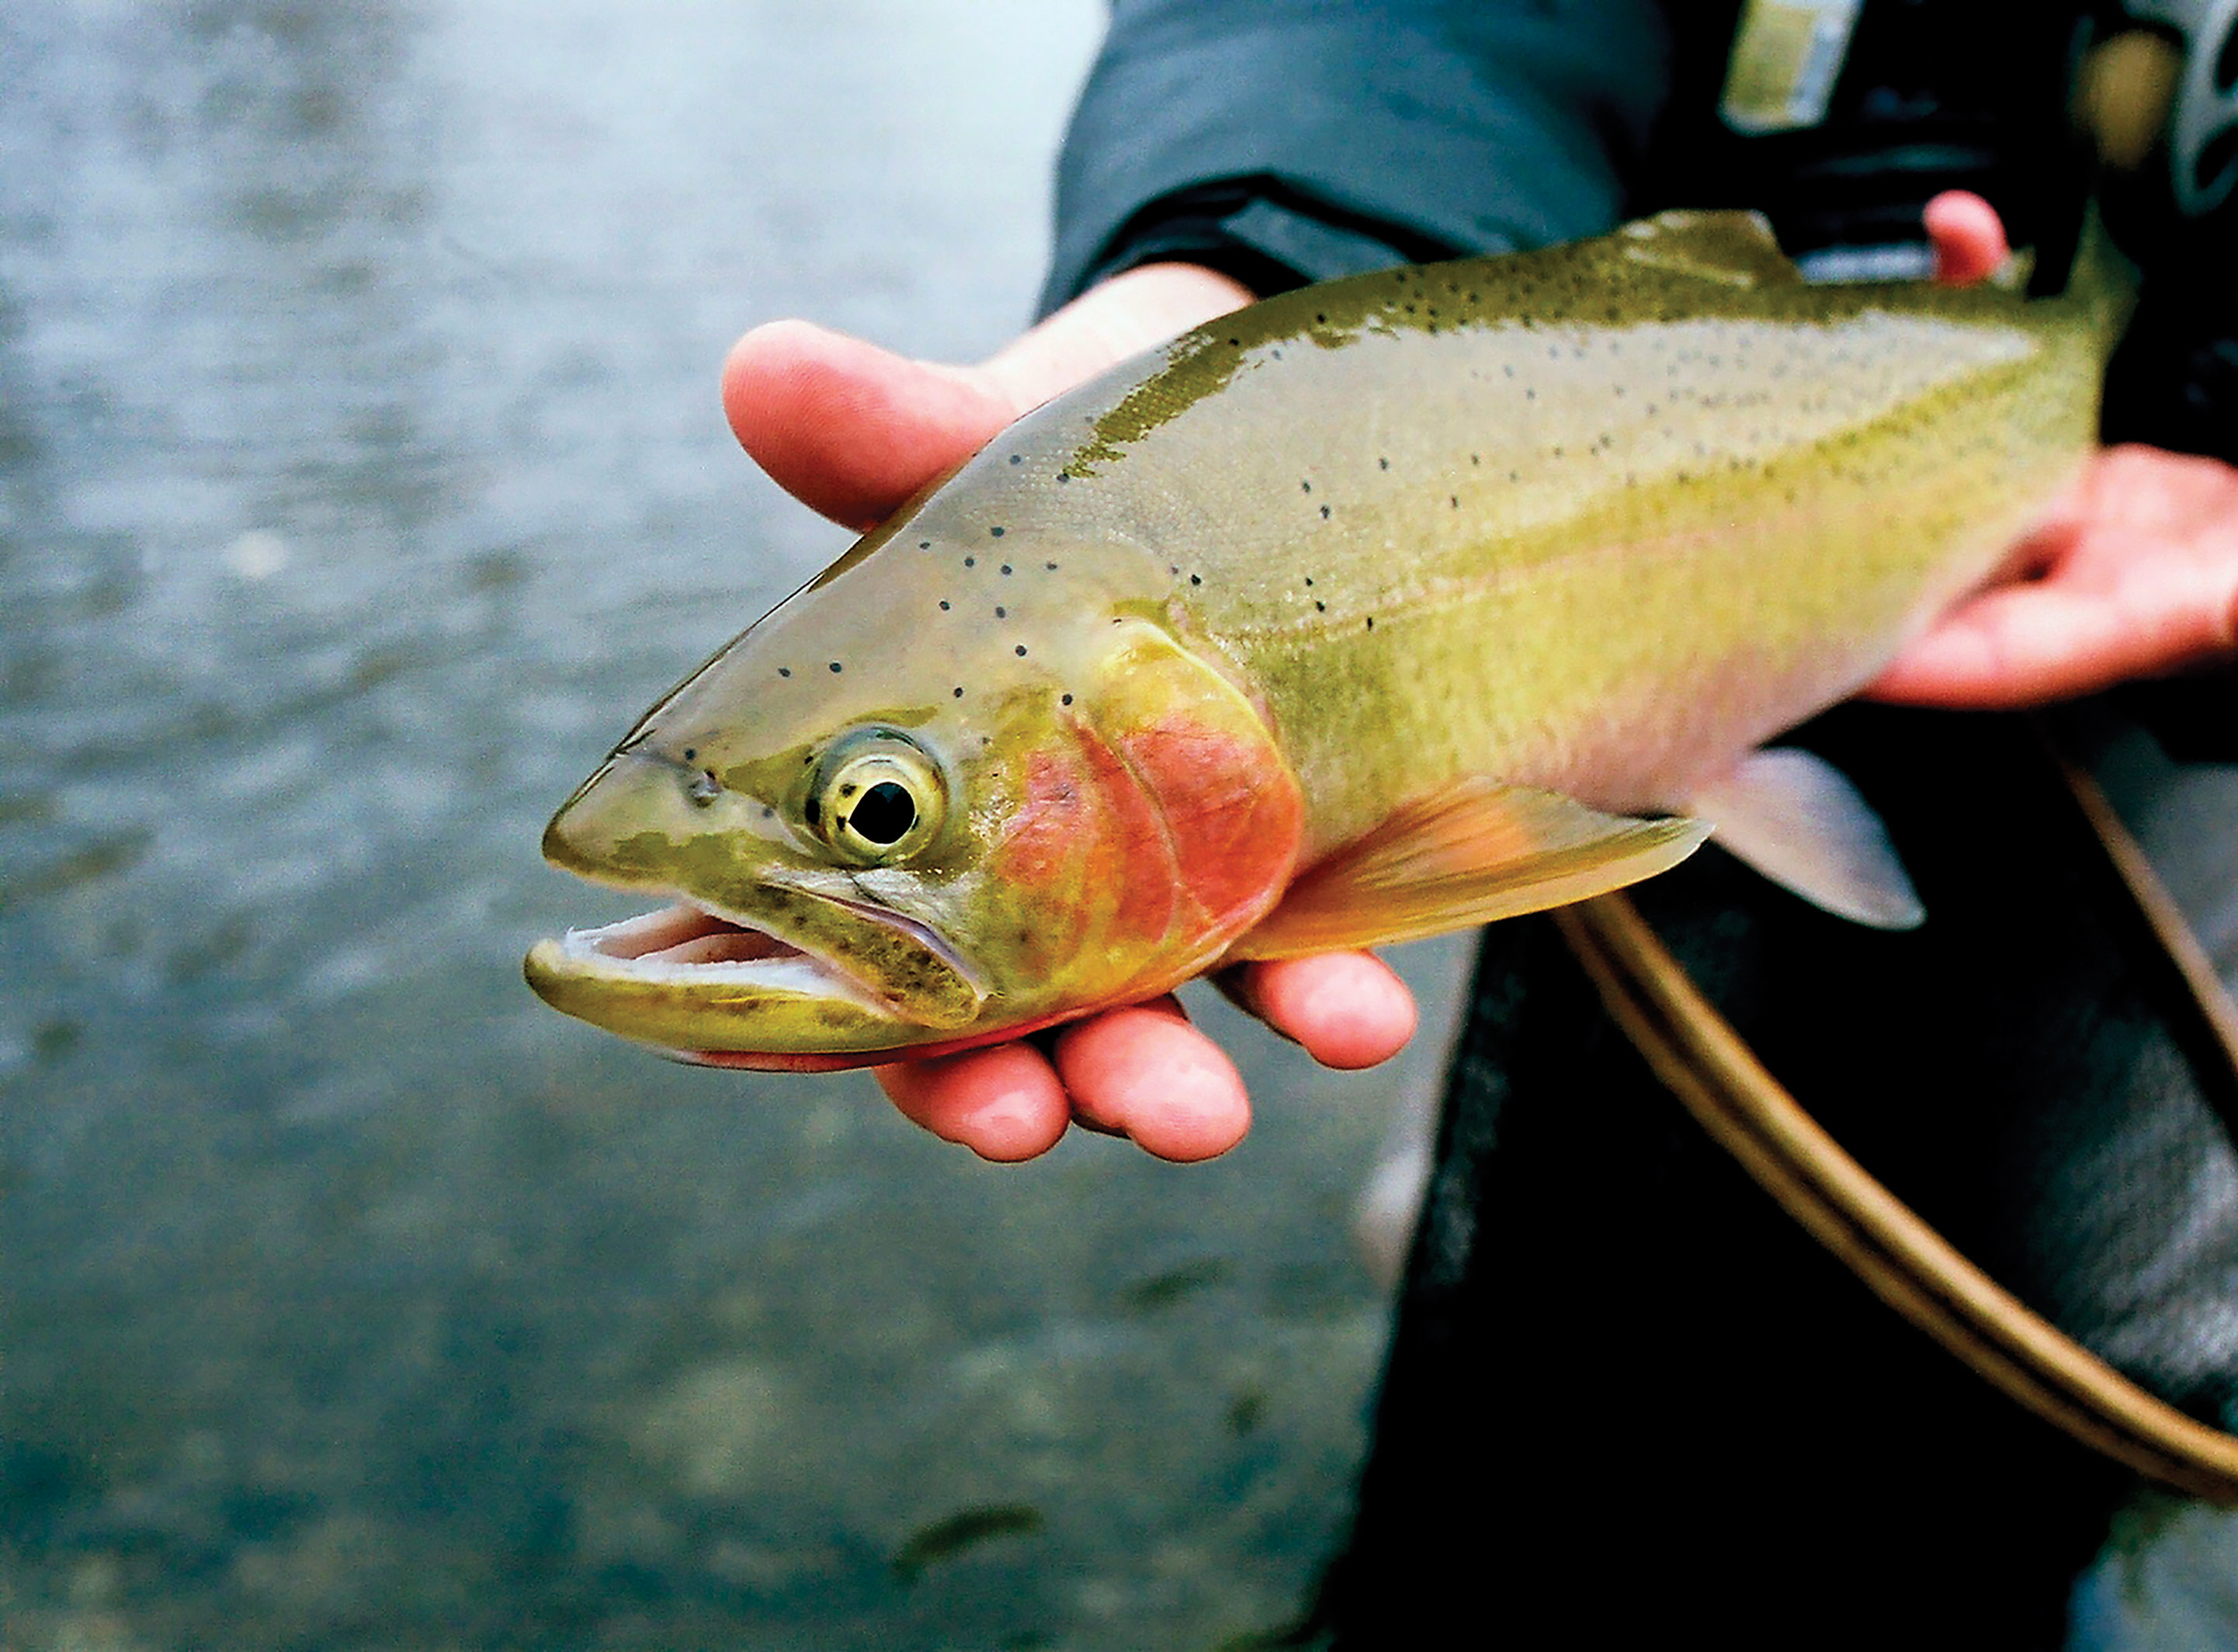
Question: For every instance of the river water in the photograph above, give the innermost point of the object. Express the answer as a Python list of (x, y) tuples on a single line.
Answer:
[(361, 477)]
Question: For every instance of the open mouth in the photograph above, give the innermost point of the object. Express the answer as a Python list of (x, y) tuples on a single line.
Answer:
[(688, 944), (684, 933), (699, 983)]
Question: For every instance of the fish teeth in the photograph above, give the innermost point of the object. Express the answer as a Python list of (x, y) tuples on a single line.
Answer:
[(688, 941)]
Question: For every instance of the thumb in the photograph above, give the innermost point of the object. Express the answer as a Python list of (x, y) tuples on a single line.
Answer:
[(853, 430), (848, 429)]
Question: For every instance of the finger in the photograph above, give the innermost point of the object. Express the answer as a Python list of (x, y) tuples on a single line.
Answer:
[(2028, 645), (1349, 1010), (852, 430), (1969, 236), (846, 428), (1004, 1103), (1119, 318), (1145, 1072)]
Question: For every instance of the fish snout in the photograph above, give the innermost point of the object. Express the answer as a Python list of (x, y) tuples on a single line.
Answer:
[(626, 819)]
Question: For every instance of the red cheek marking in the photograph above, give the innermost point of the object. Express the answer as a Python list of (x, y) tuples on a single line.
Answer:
[(1046, 832), (1086, 845), (1232, 809)]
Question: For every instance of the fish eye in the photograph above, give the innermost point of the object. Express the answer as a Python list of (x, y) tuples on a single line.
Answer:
[(877, 797)]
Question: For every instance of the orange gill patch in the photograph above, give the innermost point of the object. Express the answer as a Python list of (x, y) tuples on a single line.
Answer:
[(1232, 812), (1086, 853)]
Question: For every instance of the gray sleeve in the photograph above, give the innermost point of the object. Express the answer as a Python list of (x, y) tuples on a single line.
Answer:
[(1470, 125)]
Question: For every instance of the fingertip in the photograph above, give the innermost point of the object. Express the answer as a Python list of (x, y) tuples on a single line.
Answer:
[(1349, 1010), (1004, 1104), (1969, 236), (845, 427), (1147, 1073)]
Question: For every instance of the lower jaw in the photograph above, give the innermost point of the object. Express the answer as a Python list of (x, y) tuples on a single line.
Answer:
[(932, 1049)]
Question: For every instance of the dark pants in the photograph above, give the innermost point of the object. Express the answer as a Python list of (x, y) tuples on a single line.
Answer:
[(1629, 1397)]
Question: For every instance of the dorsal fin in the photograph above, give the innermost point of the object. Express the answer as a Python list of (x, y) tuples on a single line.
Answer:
[(1734, 248)]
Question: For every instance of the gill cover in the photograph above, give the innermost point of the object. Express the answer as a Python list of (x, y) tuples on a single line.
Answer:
[(1163, 827)]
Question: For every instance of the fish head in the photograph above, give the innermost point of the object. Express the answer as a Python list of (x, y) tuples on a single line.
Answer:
[(882, 839)]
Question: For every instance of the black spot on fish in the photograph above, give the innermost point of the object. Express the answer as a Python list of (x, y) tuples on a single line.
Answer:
[(944, 605), (1325, 512), (1016, 459), (1454, 500), (690, 755), (971, 562), (1020, 651), (959, 694), (1063, 477), (1382, 464), (1371, 622), (1051, 567), (1193, 580), (1305, 487), (1064, 700), (1476, 459), (1002, 614), (1309, 579), (1006, 567), (1320, 607), (784, 671), (994, 533), (925, 545), (768, 813)]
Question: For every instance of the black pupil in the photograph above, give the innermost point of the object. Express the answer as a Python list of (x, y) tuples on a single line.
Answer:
[(884, 813)]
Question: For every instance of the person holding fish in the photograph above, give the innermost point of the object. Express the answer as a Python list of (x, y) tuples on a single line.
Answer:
[(2136, 576), (1612, 1354)]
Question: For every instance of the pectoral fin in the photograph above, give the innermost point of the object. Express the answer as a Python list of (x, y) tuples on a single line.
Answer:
[(1475, 853), (1797, 820)]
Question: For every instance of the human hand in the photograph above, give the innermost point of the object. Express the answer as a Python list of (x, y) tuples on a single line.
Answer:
[(2134, 574), (853, 431)]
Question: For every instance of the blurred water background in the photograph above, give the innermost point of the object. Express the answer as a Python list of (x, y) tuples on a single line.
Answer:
[(361, 477)]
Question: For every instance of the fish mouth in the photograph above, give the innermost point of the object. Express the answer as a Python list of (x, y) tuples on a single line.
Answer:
[(689, 942), (705, 985)]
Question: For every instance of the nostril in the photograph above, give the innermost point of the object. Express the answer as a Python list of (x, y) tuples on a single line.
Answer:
[(704, 788)]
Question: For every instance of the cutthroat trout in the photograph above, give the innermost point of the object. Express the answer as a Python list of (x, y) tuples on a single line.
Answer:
[(1384, 607)]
